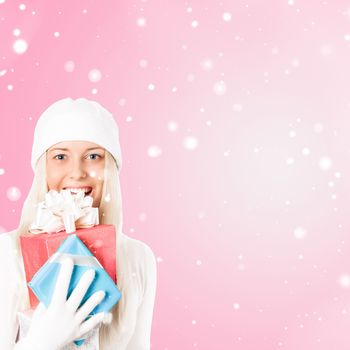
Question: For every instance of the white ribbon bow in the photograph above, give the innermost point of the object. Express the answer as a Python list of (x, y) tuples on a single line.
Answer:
[(64, 211)]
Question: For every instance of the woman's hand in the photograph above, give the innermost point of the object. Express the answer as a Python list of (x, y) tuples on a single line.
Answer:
[(62, 322)]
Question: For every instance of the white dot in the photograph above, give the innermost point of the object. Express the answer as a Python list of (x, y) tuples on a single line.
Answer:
[(3, 72), (56, 34), (330, 183), (209, 122), (172, 126), (226, 16), (325, 163), (13, 194), (326, 50), (237, 107), (2, 1), (141, 22), (151, 87), (159, 259), (22, 7), (194, 322), (198, 262), (318, 128), (189, 9), (201, 215), (92, 173), (16, 32), (290, 161), (94, 75), (220, 88), (190, 78), (347, 37), (143, 63), (154, 151), (20, 46), (305, 151), (129, 118), (69, 66), (337, 175), (94, 91), (142, 217), (207, 64), (2, 171), (291, 2), (194, 24), (10, 87), (299, 232), (236, 306), (85, 11), (190, 142), (122, 102), (292, 133), (344, 281)]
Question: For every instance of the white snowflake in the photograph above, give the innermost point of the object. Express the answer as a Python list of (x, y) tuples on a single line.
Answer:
[(220, 88), (154, 151), (16, 32), (141, 22), (226, 16), (20, 46), (172, 126), (94, 75), (325, 163), (190, 142), (13, 194), (69, 66), (299, 232)]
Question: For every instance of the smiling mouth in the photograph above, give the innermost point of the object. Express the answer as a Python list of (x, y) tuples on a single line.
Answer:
[(74, 190)]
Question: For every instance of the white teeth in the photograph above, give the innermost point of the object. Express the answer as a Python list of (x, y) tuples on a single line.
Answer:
[(77, 190)]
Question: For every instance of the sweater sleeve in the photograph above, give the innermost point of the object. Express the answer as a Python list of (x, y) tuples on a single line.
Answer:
[(12, 293), (141, 337)]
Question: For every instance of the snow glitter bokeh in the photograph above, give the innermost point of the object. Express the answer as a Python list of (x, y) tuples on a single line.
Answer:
[(234, 126)]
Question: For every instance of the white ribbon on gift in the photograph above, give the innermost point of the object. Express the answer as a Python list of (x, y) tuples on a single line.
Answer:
[(80, 260), (64, 211)]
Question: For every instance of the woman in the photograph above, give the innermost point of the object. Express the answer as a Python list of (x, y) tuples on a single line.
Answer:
[(76, 145)]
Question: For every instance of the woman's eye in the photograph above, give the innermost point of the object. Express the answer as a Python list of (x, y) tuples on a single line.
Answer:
[(59, 156), (94, 155)]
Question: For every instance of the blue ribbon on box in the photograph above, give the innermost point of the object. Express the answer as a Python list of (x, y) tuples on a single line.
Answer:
[(44, 281)]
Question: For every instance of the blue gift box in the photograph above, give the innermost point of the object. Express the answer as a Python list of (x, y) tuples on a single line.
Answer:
[(44, 281)]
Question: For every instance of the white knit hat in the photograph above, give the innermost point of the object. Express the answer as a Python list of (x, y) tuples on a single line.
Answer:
[(80, 120)]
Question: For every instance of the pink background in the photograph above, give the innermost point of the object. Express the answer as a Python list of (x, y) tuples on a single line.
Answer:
[(234, 119)]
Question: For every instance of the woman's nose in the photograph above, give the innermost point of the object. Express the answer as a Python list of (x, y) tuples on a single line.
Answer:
[(77, 171)]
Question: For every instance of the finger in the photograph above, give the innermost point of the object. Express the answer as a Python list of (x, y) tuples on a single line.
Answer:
[(62, 283), (80, 290), (90, 324), (89, 305)]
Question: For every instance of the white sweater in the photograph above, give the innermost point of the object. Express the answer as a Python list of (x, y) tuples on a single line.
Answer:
[(136, 271)]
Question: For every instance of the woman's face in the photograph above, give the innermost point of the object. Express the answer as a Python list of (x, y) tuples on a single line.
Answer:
[(76, 164)]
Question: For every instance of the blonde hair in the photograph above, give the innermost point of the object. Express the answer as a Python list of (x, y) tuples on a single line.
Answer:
[(110, 211)]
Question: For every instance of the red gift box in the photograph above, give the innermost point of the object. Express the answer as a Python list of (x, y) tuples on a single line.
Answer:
[(38, 248)]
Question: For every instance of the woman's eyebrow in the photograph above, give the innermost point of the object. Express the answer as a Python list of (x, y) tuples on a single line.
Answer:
[(67, 149)]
